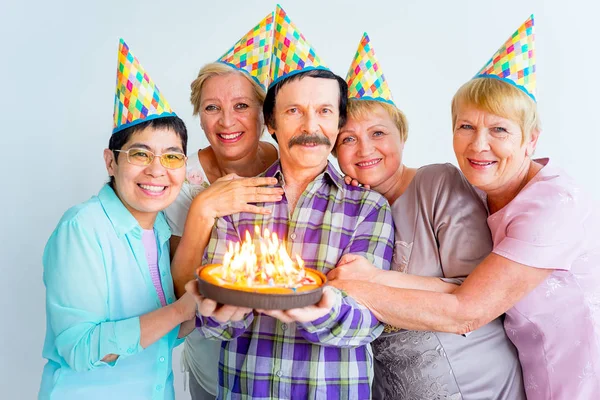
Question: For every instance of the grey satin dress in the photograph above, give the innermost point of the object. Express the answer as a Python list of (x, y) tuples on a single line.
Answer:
[(441, 230)]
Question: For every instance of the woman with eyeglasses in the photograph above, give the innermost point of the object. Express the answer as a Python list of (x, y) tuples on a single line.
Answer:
[(111, 312), (112, 317)]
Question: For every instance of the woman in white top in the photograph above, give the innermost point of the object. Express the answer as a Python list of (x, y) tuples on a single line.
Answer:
[(229, 104)]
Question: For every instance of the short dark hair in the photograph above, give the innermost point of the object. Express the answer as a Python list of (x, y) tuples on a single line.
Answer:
[(174, 123), (269, 104)]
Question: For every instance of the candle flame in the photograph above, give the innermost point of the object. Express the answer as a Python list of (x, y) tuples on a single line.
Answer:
[(266, 264)]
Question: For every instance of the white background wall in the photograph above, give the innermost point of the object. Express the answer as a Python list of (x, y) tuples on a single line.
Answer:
[(57, 71)]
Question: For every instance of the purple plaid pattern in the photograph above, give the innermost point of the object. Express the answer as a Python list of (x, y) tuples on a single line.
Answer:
[(330, 358)]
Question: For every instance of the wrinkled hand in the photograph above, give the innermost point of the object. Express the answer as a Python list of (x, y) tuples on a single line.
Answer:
[(232, 194), (186, 307), (210, 308), (353, 267), (308, 313), (341, 284), (351, 181)]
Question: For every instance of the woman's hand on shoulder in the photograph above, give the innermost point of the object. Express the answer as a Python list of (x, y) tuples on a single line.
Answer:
[(353, 182), (233, 194)]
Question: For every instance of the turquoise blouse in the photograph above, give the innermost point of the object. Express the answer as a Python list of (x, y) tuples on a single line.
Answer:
[(97, 285)]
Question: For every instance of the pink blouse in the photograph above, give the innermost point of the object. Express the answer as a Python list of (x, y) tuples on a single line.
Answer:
[(553, 224)]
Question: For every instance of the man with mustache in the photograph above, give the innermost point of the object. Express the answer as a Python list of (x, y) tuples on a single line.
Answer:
[(320, 351)]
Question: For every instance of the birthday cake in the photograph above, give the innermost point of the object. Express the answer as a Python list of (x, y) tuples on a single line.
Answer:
[(262, 266)]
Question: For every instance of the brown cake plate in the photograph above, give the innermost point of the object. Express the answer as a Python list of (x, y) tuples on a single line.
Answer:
[(260, 298)]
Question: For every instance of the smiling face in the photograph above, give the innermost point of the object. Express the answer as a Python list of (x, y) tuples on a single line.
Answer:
[(306, 116), (230, 115), (491, 151), (369, 149), (146, 190)]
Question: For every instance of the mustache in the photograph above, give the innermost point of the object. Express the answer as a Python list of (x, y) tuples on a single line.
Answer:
[(309, 139)]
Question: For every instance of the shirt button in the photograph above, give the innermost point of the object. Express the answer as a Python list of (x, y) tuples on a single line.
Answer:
[(170, 299), (159, 387), (130, 350), (162, 359), (293, 236), (284, 327), (279, 373)]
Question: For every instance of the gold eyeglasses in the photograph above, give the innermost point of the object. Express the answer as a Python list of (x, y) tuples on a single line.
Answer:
[(171, 160)]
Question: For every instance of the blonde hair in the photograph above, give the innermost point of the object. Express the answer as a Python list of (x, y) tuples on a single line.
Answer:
[(499, 98), (219, 69), (360, 109)]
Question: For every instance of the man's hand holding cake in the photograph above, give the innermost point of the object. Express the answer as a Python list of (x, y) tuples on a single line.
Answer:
[(261, 267)]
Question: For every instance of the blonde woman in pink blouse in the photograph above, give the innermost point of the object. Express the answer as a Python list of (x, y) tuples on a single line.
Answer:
[(544, 269)]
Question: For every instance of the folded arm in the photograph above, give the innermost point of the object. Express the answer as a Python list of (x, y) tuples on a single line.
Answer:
[(495, 286), (357, 268), (76, 305)]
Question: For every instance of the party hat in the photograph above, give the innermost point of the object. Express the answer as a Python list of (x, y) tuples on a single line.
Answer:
[(252, 53), (291, 52), (137, 98), (365, 78), (514, 62)]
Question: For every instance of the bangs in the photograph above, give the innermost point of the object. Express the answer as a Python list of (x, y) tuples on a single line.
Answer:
[(361, 110), (220, 69), (499, 98)]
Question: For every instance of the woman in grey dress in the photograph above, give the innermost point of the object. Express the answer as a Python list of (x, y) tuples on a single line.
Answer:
[(441, 236)]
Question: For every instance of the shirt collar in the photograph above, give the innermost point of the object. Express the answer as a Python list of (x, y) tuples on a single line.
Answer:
[(161, 228), (331, 175), (334, 176), (122, 220)]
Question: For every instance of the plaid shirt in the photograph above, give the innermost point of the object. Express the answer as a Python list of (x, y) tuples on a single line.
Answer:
[(330, 358)]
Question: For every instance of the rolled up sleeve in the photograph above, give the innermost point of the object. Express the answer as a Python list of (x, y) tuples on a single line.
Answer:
[(77, 301), (210, 328), (348, 324)]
